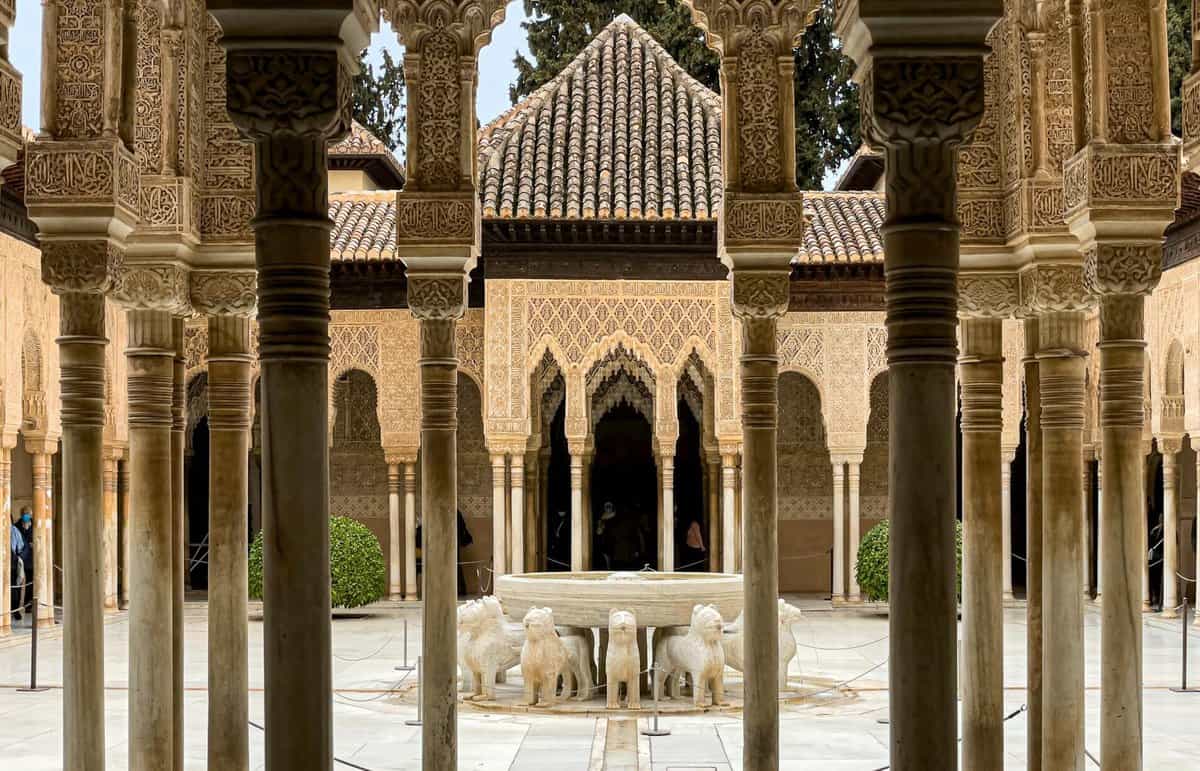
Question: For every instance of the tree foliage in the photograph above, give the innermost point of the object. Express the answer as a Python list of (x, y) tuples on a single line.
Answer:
[(827, 130), (1179, 55), (379, 103), (358, 573)]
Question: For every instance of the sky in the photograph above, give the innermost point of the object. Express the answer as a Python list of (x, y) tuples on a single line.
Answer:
[(496, 71)]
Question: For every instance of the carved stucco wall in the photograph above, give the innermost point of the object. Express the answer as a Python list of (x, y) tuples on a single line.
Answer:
[(357, 469), (873, 485), (474, 481), (805, 485), (1171, 315)]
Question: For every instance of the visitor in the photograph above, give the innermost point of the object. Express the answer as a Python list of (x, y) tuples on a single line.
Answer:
[(25, 526), (560, 542), (604, 536), (464, 540), (16, 575), (694, 553)]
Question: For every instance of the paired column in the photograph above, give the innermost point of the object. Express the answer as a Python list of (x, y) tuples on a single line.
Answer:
[(1006, 524), (499, 536), (1170, 562), (123, 488), (713, 491), (577, 526), (43, 533), (980, 367), (853, 475), (516, 462), (839, 532), (667, 538), (1085, 513), (410, 531), (394, 484), (111, 459), (728, 533), (1033, 545), (229, 373), (151, 612), (179, 535), (1100, 540)]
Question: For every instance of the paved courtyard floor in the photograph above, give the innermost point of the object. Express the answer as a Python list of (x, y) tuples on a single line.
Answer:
[(842, 731)]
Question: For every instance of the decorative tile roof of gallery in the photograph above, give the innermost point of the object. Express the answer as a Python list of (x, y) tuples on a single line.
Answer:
[(842, 227), (623, 132), (360, 149), (364, 226)]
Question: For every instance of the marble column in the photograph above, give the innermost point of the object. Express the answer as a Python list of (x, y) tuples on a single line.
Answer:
[(1170, 561), (728, 533), (838, 591), (110, 530), (589, 524), (179, 534), (739, 541), (123, 489), (1033, 546), (713, 491), (81, 346), (151, 614), (1085, 516), (667, 469), (577, 526), (516, 462), (981, 374), (1006, 525), (760, 297), (1195, 525), (853, 475), (6, 448), (1100, 540), (395, 569), (410, 531), (499, 536), (43, 532), (229, 370), (291, 234), (1062, 364), (534, 537)]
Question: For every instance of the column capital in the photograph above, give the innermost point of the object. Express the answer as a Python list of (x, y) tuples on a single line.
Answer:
[(154, 286), (1053, 287), (81, 266), (224, 292), (988, 294), (1169, 445), (302, 91), (437, 296), (760, 293)]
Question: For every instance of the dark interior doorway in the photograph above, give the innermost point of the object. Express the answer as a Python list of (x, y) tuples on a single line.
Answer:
[(689, 493), (558, 495), (624, 474), (196, 490)]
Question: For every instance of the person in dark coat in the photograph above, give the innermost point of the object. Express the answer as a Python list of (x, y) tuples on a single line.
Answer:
[(464, 540), (16, 545), (25, 526)]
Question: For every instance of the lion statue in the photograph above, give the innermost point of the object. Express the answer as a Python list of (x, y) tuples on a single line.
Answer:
[(543, 658), (621, 663), (733, 641), (698, 653)]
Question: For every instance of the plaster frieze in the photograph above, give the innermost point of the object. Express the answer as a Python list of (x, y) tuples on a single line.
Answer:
[(1125, 181), (224, 292), (437, 218), (82, 179), (1190, 94)]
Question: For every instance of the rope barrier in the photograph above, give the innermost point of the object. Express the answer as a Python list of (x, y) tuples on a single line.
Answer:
[(1008, 717), (336, 759), (847, 648)]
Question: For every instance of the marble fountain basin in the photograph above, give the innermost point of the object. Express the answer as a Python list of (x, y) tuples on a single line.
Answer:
[(585, 598)]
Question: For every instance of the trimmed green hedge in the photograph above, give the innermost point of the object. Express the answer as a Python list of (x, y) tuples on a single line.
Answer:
[(359, 572), (872, 568)]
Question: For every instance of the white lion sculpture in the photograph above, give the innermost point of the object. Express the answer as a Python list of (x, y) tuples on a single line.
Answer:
[(734, 638), (697, 653), (579, 675), (543, 657), (487, 647), (621, 663)]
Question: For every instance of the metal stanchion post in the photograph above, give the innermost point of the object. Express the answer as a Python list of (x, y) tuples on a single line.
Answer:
[(655, 687), (1183, 684), (33, 686), (417, 720), (405, 667)]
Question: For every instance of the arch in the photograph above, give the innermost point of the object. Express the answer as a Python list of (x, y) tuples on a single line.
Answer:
[(873, 490), (356, 410), (475, 483), (196, 408), (805, 493), (607, 345)]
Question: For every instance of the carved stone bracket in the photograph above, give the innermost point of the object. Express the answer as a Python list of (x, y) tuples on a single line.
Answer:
[(755, 222), (224, 292), (82, 179), (1112, 181), (988, 295), (1049, 288), (437, 218), (157, 287), (437, 296)]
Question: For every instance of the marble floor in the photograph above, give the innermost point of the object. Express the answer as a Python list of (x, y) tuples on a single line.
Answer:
[(843, 731)]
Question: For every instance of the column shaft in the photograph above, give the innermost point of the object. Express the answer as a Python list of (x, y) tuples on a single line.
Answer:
[(81, 347), (151, 612), (123, 489), (517, 463), (395, 584), (667, 468), (43, 540), (1085, 512), (1006, 528), (760, 407), (229, 362), (110, 533), (1122, 530), (853, 476), (1062, 366), (179, 534), (1033, 547), (577, 534), (5, 546), (728, 533), (714, 516), (982, 597), (499, 537), (410, 532), (1170, 562), (439, 542), (838, 591)]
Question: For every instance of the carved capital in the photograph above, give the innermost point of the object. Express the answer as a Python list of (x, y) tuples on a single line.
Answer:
[(760, 294), (81, 266), (154, 287), (436, 218), (1117, 268), (437, 297), (271, 91), (988, 295), (763, 220), (1169, 446), (1048, 288), (224, 292), (917, 100)]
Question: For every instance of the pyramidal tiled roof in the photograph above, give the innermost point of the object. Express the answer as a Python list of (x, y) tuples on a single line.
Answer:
[(359, 141), (842, 227), (622, 132)]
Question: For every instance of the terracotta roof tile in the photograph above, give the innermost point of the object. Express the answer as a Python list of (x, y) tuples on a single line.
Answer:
[(359, 141), (842, 227), (364, 226), (622, 132)]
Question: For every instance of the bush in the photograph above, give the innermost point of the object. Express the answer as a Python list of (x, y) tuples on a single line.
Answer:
[(358, 570), (872, 568)]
